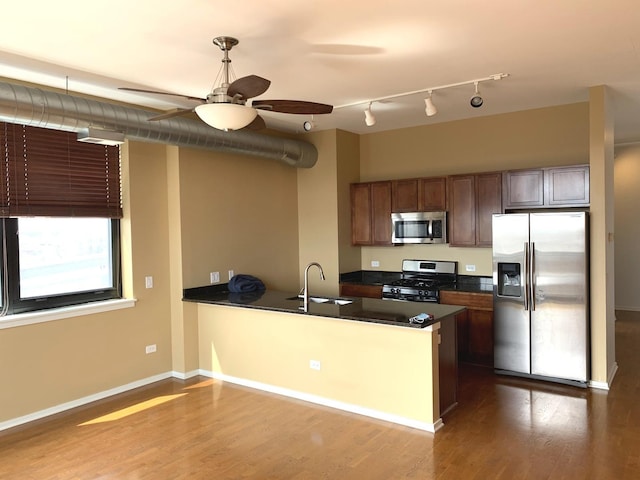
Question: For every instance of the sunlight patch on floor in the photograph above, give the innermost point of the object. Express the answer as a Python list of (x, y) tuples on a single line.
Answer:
[(125, 412), (204, 383)]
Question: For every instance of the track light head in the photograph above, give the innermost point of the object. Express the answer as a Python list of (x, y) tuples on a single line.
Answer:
[(308, 125), (369, 118), (430, 109), (476, 100)]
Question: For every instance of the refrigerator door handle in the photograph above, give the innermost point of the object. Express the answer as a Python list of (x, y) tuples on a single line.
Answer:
[(526, 276), (532, 272)]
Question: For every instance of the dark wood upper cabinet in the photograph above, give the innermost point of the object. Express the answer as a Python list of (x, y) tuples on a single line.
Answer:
[(419, 195), (462, 211), (523, 188), (361, 214), (473, 199), (404, 195), (488, 202), (547, 187), (432, 194), (567, 186), (371, 213)]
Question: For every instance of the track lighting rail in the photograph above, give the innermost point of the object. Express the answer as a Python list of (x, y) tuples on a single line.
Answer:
[(496, 76)]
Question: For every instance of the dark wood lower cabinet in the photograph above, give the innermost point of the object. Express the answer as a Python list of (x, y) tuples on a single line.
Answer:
[(448, 365), (475, 326)]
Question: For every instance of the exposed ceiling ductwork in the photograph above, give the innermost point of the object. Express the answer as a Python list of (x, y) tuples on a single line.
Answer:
[(41, 108)]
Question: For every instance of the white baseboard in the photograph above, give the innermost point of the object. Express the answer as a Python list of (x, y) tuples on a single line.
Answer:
[(327, 402), (185, 375), (427, 427), (605, 385), (14, 422), (630, 309)]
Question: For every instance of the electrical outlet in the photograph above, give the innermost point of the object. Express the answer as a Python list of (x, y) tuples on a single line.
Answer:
[(314, 364), (375, 263), (230, 274), (150, 348), (470, 268), (214, 277), (148, 282)]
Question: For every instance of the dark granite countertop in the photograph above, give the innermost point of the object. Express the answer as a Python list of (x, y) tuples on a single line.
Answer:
[(361, 309), (465, 283)]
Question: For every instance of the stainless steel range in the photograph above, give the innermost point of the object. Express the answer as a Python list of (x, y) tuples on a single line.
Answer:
[(421, 281)]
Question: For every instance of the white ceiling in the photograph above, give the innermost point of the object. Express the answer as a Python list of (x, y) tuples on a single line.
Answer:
[(336, 52)]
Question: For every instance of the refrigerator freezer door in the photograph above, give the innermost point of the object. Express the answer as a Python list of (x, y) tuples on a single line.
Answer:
[(511, 319), (559, 317)]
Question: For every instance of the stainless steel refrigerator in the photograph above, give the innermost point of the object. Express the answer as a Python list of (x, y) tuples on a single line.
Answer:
[(541, 295)]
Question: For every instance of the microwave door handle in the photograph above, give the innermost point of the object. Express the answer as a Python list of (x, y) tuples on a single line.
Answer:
[(430, 229)]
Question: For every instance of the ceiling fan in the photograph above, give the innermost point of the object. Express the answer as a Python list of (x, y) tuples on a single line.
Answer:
[(225, 108)]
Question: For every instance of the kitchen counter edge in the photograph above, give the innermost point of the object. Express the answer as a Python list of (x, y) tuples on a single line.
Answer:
[(369, 310)]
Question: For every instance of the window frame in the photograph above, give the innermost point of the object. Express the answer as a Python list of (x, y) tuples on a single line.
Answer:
[(16, 305)]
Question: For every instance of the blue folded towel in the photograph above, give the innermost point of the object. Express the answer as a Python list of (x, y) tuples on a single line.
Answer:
[(245, 283)]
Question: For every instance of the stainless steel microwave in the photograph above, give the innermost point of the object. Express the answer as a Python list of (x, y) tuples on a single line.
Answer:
[(419, 227)]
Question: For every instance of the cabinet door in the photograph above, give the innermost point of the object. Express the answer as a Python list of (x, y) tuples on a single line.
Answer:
[(361, 214), (462, 209), (480, 337), (523, 189), (432, 194), (381, 213), (405, 195), (489, 201), (462, 326), (567, 186), (448, 365)]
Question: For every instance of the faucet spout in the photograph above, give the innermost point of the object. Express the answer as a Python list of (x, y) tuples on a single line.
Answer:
[(305, 291)]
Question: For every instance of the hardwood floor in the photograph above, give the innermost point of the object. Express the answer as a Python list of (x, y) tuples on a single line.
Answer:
[(503, 428)]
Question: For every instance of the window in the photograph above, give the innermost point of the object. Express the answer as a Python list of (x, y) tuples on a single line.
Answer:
[(59, 219), (53, 262)]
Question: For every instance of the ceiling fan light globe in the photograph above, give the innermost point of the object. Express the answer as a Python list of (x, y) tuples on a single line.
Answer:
[(226, 116)]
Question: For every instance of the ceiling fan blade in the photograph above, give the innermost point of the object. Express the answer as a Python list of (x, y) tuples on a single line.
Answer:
[(248, 87), (293, 106), (173, 113), (141, 90), (257, 124)]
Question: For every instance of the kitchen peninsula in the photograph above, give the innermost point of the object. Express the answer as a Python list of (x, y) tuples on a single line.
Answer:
[(363, 357)]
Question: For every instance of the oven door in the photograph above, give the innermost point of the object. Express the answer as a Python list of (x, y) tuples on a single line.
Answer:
[(419, 227)]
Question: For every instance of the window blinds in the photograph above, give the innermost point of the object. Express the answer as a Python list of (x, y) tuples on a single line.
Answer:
[(48, 172)]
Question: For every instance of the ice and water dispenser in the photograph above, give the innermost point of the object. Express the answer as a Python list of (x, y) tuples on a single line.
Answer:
[(509, 280)]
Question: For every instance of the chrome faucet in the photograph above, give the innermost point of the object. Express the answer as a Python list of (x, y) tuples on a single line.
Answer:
[(305, 290)]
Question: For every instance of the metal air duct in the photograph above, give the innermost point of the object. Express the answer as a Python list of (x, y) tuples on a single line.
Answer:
[(41, 108)]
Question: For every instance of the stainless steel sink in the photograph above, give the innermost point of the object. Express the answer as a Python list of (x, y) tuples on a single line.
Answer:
[(328, 300)]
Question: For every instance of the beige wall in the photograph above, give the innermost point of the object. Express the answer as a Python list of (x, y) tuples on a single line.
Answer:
[(48, 364), (187, 213), (362, 364), (532, 138), (238, 213), (627, 228)]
